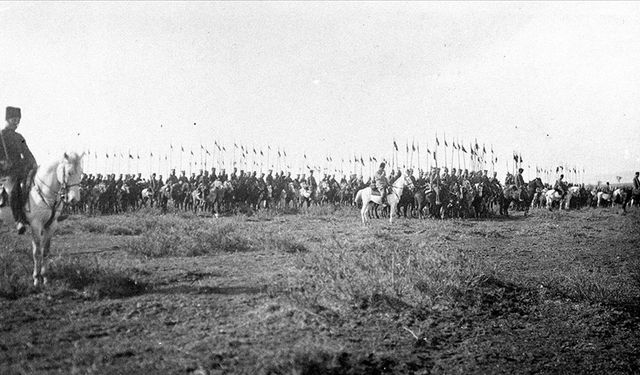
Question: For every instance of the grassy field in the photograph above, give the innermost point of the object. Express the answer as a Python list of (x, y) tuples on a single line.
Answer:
[(306, 293)]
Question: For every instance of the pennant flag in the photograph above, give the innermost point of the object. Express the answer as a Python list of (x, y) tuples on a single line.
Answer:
[(201, 146), (395, 145), (151, 153), (254, 151), (520, 158), (235, 145), (445, 143), (171, 146), (477, 147), (305, 155), (283, 152), (463, 149), (138, 156), (483, 149), (279, 155), (515, 156), (437, 141), (107, 156), (261, 154), (191, 152), (413, 146), (182, 148)]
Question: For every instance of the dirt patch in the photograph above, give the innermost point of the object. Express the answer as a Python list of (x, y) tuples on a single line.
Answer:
[(323, 295)]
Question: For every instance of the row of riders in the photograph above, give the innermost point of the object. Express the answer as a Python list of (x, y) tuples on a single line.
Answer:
[(427, 194), (436, 194)]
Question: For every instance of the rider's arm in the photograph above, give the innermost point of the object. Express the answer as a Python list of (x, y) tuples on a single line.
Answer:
[(29, 159)]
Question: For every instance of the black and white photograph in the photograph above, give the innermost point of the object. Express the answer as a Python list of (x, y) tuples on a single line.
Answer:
[(320, 187)]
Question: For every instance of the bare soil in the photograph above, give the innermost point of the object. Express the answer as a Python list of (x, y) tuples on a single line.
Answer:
[(555, 292)]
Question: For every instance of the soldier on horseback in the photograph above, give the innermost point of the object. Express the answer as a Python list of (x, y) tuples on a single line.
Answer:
[(560, 186), (380, 182), (520, 184), (17, 162)]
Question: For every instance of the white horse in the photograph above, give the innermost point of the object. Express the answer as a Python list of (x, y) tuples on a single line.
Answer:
[(392, 199), (603, 197), (553, 196), (53, 186)]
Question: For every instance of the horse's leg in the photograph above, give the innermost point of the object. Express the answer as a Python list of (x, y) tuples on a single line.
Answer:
[(45, 245), (37, 256), (363, 211)]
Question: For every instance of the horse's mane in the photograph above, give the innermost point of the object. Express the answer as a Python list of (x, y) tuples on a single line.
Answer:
[(72, 158)]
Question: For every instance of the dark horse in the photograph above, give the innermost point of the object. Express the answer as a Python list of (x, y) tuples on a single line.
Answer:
[(511, 194)]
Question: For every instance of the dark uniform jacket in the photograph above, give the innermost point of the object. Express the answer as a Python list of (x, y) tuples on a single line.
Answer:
[(520, 181), (20, 159)]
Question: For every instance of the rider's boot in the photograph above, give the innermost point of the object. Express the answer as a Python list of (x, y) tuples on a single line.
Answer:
[(17, 209)]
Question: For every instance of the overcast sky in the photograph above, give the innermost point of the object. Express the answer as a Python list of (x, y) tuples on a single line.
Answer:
[(559, 82)]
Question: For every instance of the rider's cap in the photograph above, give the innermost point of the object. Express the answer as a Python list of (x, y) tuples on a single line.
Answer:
[(520, 170), (13, 112)]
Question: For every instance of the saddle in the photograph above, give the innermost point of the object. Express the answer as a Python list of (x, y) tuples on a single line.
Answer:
[(375, 191)]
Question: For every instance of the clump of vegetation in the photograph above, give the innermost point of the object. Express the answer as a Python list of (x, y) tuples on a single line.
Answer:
[(92, 279), (94, 226), (396, 274), (284, 244), (15, 270), (174, 237), (120, 230)]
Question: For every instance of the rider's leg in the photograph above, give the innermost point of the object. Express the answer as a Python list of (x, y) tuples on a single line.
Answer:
[(17, 207)]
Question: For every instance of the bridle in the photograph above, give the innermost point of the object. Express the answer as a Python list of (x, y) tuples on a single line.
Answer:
[(60, 196)]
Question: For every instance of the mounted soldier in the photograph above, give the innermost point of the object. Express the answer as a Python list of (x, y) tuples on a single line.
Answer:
[(313, 185), (16, 162), (380, 182), (520, 184), (560, 186)]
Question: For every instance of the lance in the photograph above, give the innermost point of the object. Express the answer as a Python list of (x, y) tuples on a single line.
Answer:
[(406, 155), (458, 147), (453, 151), (444, 138), (413, 150)]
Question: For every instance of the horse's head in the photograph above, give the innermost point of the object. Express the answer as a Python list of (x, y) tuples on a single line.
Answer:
[(69, 174)]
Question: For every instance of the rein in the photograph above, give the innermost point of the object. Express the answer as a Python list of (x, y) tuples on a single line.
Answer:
[(60, 194)]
